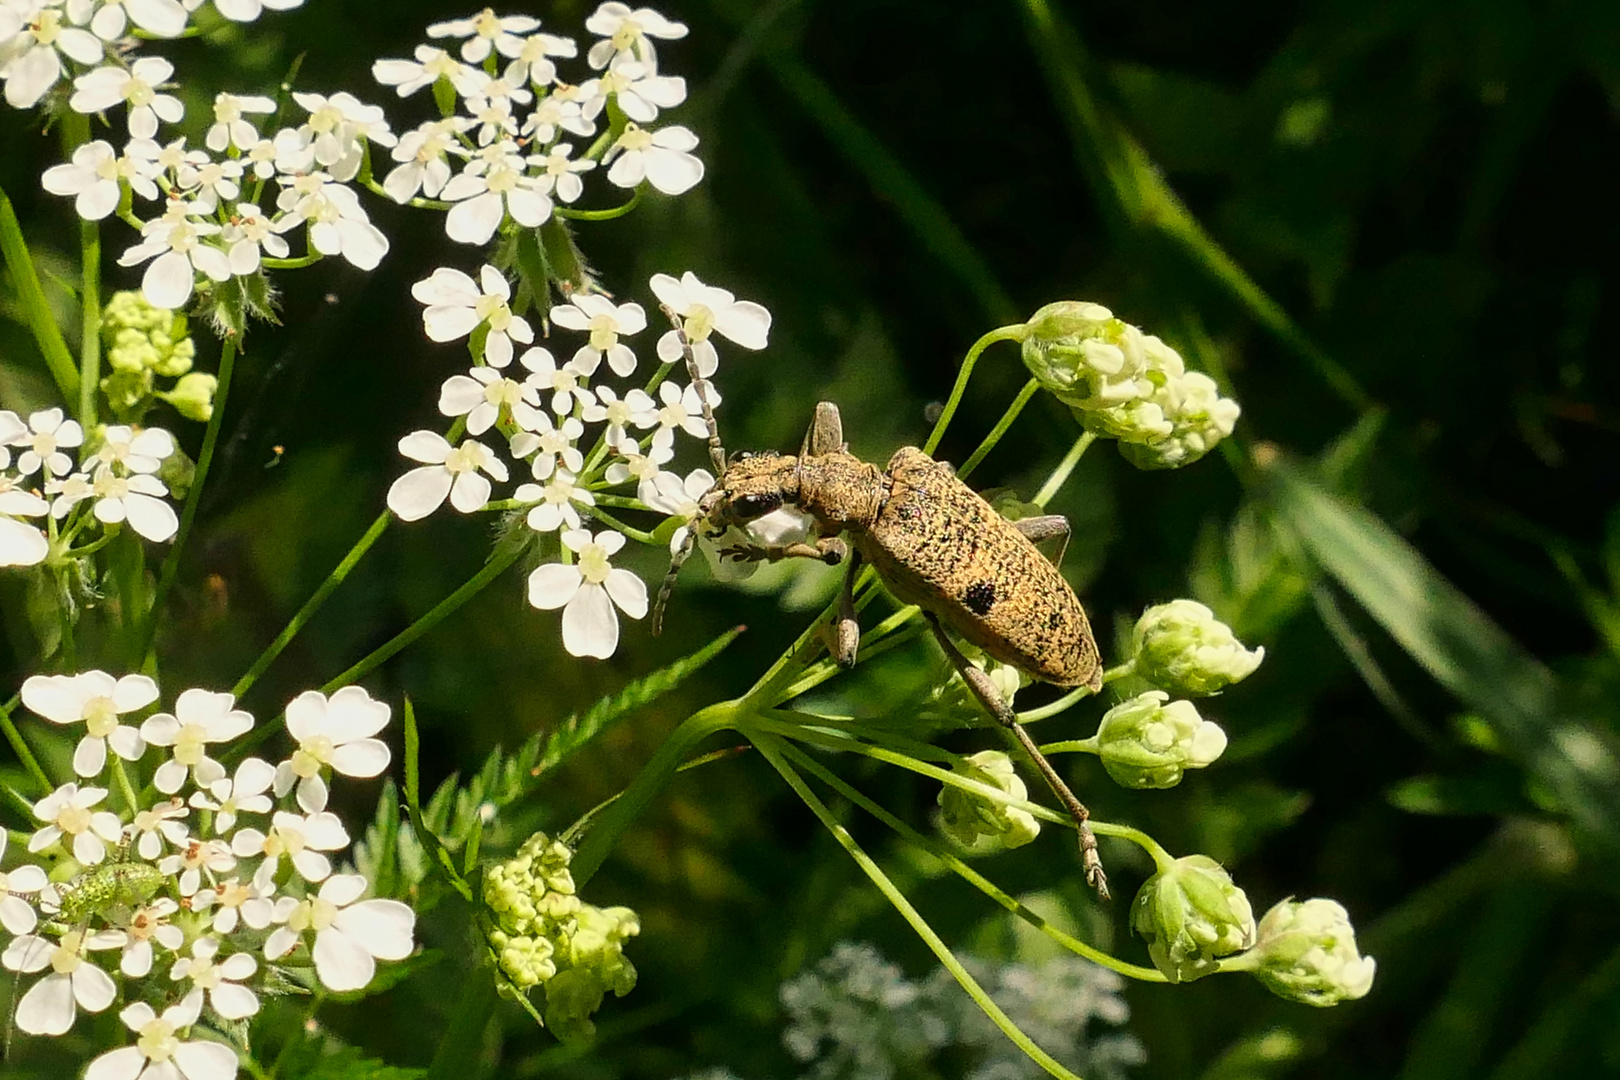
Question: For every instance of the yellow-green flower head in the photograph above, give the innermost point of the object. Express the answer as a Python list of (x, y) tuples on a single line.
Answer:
[(1150, 741), (126, 390), (982, 823), (533, 888), (1183, 648), (1307, 952), (143, 337), (1198, 418), (193, 396), (1085, 356), (597, 964), (1191, 914)]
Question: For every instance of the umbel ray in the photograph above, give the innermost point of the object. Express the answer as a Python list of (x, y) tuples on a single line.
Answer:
[(935, 543)]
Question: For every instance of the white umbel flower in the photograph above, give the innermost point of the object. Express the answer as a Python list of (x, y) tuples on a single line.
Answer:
[(108, 19), (663, 158), (333, 733), (625, 33), (243, 793), (48, 431), (231, 125), (200, 717), (141, 451), (51, 1005), (639, 90), (98, 700), (17, 914), (151, 827), (178, 242), (338, 224), (486, 32), (706, 310), (550, 444), (482, 393), (680, 499), (69, 815), (682, 409), (245, 11), (456, 305), (606, 322), (91, 177), (134, 940), (635, 408), (349, 937), (221, 981), (188, 865), (566, 383), (424, 159), (452, 471), (36, 34), (431, 65), (556, 503), (136, 499), (493, 184), (136, 86), (560, 173), (301, 838), (588, 591), (246, 235), (159, 1053), (20, 543)]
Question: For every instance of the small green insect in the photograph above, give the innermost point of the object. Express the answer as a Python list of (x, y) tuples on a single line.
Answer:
[(936, 543), (112, 891)]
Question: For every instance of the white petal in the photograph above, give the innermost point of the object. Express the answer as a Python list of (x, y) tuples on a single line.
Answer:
[(469, 492), (447, 286), (341, 963), (419, 492), (90, 757), (124, 1063), (47, 1008), (628, 591), (475, 220), (361, 758), (167, 282), (744, 322), (16, 914), (134, 692), (382, 927), (672, 172), (355, 714), (21, 545), (93, 988), (199, 1060), (552, 585), (528, 207), (233, 1002), (152, 518), (589, 625)]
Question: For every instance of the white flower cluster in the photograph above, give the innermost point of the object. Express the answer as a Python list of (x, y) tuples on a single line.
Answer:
[(575, 439), (115, 482), (190, 898), (1127, 385), (507, 147)]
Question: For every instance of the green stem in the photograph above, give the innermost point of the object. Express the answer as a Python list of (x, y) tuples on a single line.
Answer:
[(1000, 429), (1060, 475), (459, 1049), (1005, 333), (1077, 694), (20, 746), (75, 133), (612, 522), (313, 604), (292, 264), (602, 215), (444, 608), (125, 788), (31, 296), (771, 748), (205, 459)]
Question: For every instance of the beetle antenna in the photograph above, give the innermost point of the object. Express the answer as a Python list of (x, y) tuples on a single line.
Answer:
[(717, 453), (676, 560)]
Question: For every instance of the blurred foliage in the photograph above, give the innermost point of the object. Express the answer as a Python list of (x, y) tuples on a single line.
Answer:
[(1387, 227)]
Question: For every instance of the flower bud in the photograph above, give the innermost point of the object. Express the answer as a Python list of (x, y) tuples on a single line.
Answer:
[(193, 396), (981, 823), (1198, 417), (1307, 952), (1181, 647), (1190, 914), (127, 390), (1149, 741), (1083, 355)]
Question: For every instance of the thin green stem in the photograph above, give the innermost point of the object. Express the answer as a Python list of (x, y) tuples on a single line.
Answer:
[(1000, 429), (1060, 475), (75, 133), (188, 516), (416, 203), (772, 748), (31, 295), (635, 534), (292, 264), (1005, 333), (19, 745), (313, 604), (602, 215), (1071, 746), (442, 610), (1079, 693), (125, 788)]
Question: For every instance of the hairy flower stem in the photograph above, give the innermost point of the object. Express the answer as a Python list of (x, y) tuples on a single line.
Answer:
[(1060, 475)]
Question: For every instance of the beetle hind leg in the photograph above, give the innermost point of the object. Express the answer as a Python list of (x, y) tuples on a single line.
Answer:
[(1045, 527), (997, 706)]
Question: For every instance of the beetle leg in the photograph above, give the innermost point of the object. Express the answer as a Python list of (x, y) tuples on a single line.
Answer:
[(826, 434), (828, 549), (997, 706), (846, 629), (1045, 527)]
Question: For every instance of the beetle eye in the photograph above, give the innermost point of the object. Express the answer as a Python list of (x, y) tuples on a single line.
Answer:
[(739, 455), (756, 505)]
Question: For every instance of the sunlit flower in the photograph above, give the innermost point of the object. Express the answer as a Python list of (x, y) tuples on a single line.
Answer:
[(246, 235), (222, 981), (643, 468), (424, 159), (493, 184), (333, 733), (588, 591), (36, 34), (234, 901), (101, 89), (161, 18), (486, 31), (349, 937), (17, 914), (605, 321), (338, 128), (91, 178), (20, 543), (635, 408), (48, 431), (177, 239), (566, 383), (682, 409), (679, 499), (663, 158), (243, 793), (706, 310), (141, 451), (52, 1003), (491, 118), (556, 503), (97, 699), (482, 393), (338, 224), (639, 90), (452, 471), (231, 125), (200, 717), (456, 305), (301, 838), (556, 112), (137, 499), (211, 182), (533, 63), (134, 939), (68, 815), (431, 65), (625, 32), (198, 857), (156, 824), (560, 173), (159, 1053), (249, 10)]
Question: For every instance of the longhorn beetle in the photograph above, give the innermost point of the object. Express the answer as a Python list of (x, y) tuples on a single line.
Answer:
[(935, 542)]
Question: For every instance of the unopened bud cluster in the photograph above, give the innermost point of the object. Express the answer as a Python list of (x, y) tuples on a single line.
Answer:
[(1126, 385), (145, 343), (544, 935), (1181, 647), (1149, 741), (981, 823), (1307, 952)]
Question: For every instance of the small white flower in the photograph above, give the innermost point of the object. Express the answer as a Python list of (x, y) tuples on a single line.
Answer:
[(493, 184), (337, 128), (663, 158), (706, 310), (159, 1053), (67, 813), (456, 305), (588, 591), (554, 443), (231, 124), (136, 499), (300, 838), (36, 35), (679, 499), (486, 31), (482, 393), (211, 181), (637, 87), (101, 89), (555, 503), (448, 471), (152, 826), (431, 65), (556, 112), (237, 901), (200, 717), (242, 794), (91, 178), (532, 62), (146, 925), (682, 409), (643, 468), (97, 699), (142, 451), (338, 224), (51, 1005), (246, 235), (424, 159), (20, 543), (16, 914), (335, 733), (188, 864), (349, 937), (222, 981), (248, 10), (566, 384), (636, 407), (625, 33), (48, 431), (561, 172), (160, 18), (177, 241), (491, 117)]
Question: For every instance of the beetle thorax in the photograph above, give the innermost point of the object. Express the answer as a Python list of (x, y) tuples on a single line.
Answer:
[(839, 490)]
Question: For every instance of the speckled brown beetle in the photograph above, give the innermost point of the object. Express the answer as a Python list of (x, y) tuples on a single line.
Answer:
[(937, 544)]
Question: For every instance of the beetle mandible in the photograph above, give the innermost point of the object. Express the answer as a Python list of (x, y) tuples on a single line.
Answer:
[(936, 543)]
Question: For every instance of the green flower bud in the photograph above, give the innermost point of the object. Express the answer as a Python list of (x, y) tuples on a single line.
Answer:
[(1198, 418), (1191, 915), (1307, 952), (597, 965), (174, 358), (1181, 647), (1149, 741), (131, 350), (193, 396), (1083, 355), (981, 823), (127, 390)]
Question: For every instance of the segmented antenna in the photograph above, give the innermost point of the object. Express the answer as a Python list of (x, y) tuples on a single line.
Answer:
[(717, 454)]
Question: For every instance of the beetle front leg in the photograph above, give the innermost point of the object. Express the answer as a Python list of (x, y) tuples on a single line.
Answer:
[(827, 549), (997, 706), (1045, 527), (846, 629)]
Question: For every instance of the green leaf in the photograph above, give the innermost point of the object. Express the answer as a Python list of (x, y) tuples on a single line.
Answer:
[(1459, 645), (350, 1064), (429, 839)]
